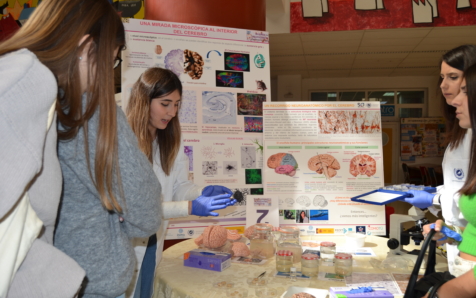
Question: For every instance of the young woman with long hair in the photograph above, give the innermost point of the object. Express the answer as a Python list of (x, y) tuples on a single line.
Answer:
[(152, 113), (458, 141), (464, 285), (110, 194)]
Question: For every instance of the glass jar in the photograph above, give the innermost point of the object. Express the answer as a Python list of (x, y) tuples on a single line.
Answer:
[(310, 265), (284, 260), (343, 264), (289, 240), (262, 241), (328, 251)]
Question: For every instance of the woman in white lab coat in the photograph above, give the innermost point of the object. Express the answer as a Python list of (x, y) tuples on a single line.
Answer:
[(152, 113), (457, 154)]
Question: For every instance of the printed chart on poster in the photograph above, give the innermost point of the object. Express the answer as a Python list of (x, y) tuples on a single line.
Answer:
[(319, 155), (226, 79)]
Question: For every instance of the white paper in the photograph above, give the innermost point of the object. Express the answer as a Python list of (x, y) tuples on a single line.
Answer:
[(361, 279)]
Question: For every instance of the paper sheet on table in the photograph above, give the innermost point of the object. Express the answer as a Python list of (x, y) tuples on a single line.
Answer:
[(402, 280), (329, 276), (249, 261), (361, 279)]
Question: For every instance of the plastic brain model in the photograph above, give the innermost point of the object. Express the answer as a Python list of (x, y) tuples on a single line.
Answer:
[(214, 236), (324, 164), (199, 240), (283, 163), (249, 231), (233, 235), (240, 249)]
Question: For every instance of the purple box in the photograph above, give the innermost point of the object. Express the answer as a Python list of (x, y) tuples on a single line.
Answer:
[(205, 259), (377, 292)]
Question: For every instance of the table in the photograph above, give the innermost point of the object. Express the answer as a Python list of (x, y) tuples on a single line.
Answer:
[(173, 280)]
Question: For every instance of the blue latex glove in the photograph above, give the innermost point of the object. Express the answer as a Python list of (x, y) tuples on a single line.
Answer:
[(420, 199), (360, 290), (215, 190), (203, 206), (448, 233)]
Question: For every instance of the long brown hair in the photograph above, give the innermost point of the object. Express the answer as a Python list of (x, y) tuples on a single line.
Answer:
[(469, 186), (153, 83), (53, 33), (460, 58)]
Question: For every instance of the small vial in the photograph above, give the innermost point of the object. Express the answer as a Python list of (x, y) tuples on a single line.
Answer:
[(293, 274), (343, 264)]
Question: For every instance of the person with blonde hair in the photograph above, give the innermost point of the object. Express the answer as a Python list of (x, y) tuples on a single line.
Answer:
[(152, 113), (109, 194)]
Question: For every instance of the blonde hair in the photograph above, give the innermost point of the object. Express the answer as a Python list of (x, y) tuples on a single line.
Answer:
[(153, 83), (53, 33)]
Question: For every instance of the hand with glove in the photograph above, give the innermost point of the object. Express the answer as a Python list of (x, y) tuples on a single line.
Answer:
[(420, 198), (446, 233), (203, 206), (214, 190)]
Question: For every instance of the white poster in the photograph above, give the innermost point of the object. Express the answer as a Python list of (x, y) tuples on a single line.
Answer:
[(317, 156), (226, 79)]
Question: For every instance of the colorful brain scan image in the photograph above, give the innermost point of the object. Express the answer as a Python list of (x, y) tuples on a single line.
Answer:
[(237, 61), (253, 124), (259, 60), (188, 107), (283, 163), (218, 107), (229, 79), (174, 61), (253, 176), (250, 104)]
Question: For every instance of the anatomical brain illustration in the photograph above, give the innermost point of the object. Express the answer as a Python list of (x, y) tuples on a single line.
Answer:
[(324, 164), (283, 163), (363, 164)]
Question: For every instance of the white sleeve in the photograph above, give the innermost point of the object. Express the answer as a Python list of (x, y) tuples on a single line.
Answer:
[(184, 189)]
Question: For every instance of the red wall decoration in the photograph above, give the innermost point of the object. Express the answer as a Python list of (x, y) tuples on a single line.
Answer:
[(342, 16)]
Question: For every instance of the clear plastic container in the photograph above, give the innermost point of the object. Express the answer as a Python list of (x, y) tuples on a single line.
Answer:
[(284, 260), (310, 265), (262, 241), (343, 264), (328, 251), (289, 240)]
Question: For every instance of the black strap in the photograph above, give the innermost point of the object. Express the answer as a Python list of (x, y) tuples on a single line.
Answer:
[(410, 292), (431, 262)]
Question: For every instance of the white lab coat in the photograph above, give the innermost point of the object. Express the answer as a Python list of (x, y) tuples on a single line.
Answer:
[(455, 170), (177, 190)]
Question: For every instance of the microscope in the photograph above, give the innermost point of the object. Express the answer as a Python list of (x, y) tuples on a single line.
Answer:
[(400, 236)]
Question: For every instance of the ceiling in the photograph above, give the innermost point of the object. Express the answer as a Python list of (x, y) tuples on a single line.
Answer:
[(365, 53)]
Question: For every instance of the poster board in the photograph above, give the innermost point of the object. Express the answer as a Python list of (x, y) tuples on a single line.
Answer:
[(317, 156), (226, 79)]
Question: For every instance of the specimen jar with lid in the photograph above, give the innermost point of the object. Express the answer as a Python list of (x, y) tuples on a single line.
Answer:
[(284, 260), (343, 264), (310, 264), (328, 251), (262, 241), (289, 240)]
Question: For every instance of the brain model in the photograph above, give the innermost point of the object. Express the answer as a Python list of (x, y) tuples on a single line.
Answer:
[(304, 201), (363, 164), (283, 163), (319, 201), (249, 231), (302, 295), (233, 235), (214, 236), (240, 249), (324, 164)]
